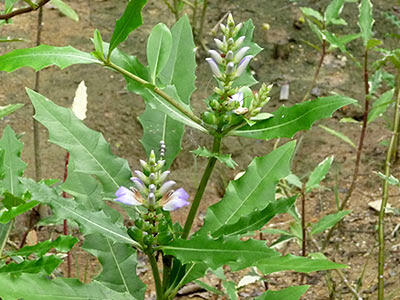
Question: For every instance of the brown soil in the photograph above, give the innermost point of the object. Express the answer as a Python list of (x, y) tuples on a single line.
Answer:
[(285, 59)]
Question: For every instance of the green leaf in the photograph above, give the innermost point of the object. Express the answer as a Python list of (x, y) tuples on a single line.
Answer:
[(209, 288), (372, 43), (5, 230), (8, 109), (255, 220), (289, 120), (119, 265), (290, 293), (63, 243), (181, 66), (13, 166), (295, 263), (37, 287), (98, 45), (88, 148), (230, 289), (333, 11), (366, 20), (89, 221), (328, 221), (229, 251), (43, 56), (312, 14), (254, 190), (318, 174), (380, 105), (46, 263), (130, 20), (8, 215), (223, 158), (339, 135), (157, 126), (65, 9), (159, 45), (292, 179)]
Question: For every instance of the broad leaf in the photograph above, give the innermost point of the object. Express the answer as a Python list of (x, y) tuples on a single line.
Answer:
[(158, 49), (289, 120), (366, 21), (339, 135), (226, 159), (65, 9), (254, 190), (328, 221), (295, 263), (88, 148), (333, 11), (8, 109), (13, 166), (118, 261), (63, 243), (45, 264), (290, 293), (130, 20), (318, 174), (43, 56), (89, 222), (380, 105), (37, 287), (157, 126), (255, 220), (229, 251)]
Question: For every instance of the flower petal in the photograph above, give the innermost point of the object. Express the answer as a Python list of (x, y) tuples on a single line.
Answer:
[(126, 196), (166, 186), (176, 200), (138, 184)]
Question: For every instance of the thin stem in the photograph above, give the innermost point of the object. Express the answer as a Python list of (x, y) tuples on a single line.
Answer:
[(303, 221), (360, 146), (23, 10), (317, 70), (159, 92), (156, 275), (69, 258), (385, 193), (194, 15), (202, 21), (202, 186)]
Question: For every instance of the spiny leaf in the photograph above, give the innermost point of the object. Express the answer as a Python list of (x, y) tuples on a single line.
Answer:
[(295, 263), (290, 293), (43, 56), (37, 287), (119, 262), (289, 120), (130, 20), (223, 158), (254, 190), (8, 215), (8, 109), (63, 243), (158, 49), (229, 251), (88, 148), (13, 166), (319, 173), (44, 264)]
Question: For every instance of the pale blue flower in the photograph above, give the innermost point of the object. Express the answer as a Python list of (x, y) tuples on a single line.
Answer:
[(129, 197), (243, 65), (214, 67), (175, 200)]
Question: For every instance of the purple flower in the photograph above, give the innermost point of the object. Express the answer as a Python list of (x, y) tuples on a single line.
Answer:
[(215, 56), (214, 67), (243, 65), (139, 184), (129, 197), (175, 200), (166, 186), (238, 97)]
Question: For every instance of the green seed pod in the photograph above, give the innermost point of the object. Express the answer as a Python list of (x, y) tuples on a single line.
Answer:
[(148, 240), (135, 233), (210, 118), (139, 223), (215, 105)]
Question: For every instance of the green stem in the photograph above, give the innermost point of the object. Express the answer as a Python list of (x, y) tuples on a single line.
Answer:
[(385, 193), (156, 275), (4, 237), (201, 188), (202, 21), (159, 92)]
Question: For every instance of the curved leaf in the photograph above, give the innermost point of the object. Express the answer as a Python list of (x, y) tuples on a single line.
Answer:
[(119, 264), (65, 9), (36, 287), (44, 264), (289, 120), (43, 56), (254, 190), (290, 293), (130, 20), (159, 46), (8, 109), (88, 148), (328, 221), (318, 174)]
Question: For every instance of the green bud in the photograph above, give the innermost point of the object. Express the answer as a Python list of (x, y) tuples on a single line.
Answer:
[(152, 158), (139, 223), (148, 240), (210, 118), (135, 233), (231, 22)]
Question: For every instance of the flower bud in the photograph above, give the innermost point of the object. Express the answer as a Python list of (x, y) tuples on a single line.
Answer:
[(215, 56), (230, 41), (144, 165), (152, 158), (135, 233), (239, 41), (243, 65), (230, 68), (139, 223), (160, 163), (229, 55), (238, 28), (152, 177), (230, 21), (142, 177), (164, 176), (148, 240), (139, 185), (152, 199), (210, 118), (223, 28), (219, 43), (239, 55), (166, 186), (214, 104), (214, 67)]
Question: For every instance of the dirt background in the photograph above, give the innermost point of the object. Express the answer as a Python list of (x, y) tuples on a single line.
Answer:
[(285, 59)]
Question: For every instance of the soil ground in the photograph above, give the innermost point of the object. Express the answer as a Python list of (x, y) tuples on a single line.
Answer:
[(285, 59)]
